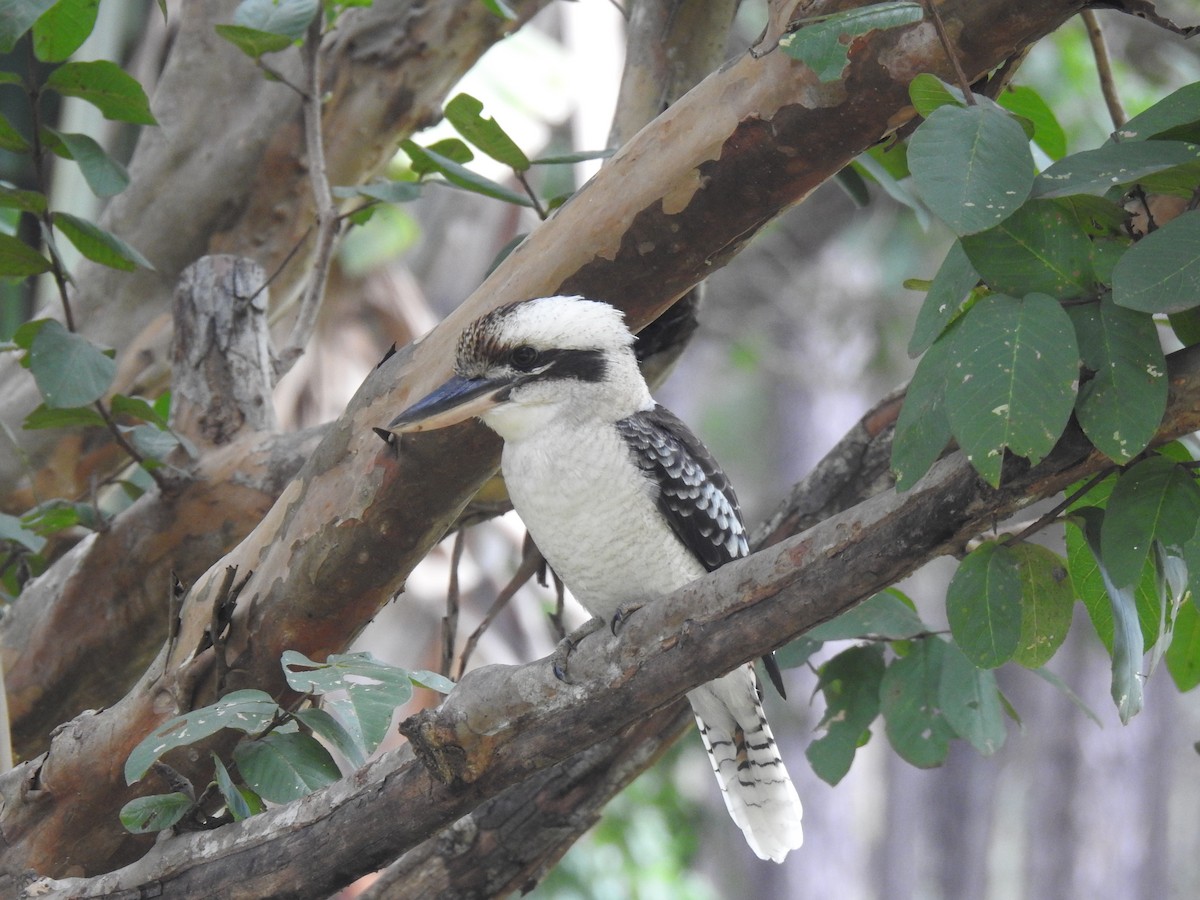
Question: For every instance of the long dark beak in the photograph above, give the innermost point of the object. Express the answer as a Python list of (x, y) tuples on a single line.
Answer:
[(455, 401)]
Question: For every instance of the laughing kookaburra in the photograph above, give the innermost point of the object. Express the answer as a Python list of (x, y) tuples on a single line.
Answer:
[(623, 501)]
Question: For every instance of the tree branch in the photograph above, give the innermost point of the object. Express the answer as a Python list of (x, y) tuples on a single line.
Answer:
[(505, 724)]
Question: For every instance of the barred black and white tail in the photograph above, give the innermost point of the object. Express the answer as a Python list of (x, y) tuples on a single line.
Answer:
[(758, 793)]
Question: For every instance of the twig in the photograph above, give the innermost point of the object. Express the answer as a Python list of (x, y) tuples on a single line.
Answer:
[(532, 194), (1108, 85), (129, 449), (1049, 517), (328, 222), (944, 37), (529, 565), (450, 620)]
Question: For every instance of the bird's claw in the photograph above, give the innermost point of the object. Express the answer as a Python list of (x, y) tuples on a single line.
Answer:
[(562, 653), (622, 615)]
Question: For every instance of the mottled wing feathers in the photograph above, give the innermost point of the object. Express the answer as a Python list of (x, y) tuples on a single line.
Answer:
[(694, 495)]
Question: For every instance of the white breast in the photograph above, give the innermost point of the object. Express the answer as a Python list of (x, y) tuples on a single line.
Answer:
[(593, 516)]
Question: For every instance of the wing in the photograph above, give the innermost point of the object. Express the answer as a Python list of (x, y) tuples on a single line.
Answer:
[(694, 495)]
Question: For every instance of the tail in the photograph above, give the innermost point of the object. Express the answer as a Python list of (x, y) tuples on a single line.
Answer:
[(758, 792)]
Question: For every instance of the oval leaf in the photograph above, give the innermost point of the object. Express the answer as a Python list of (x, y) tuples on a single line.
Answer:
[(104, 175), (63, 29), (19, 260), (910, 703), (972, 165), (99, 245), (250, 711), (1047, 603), (69, 369), (1161, 272), (283, 767), (106, 86), (464, 112), (970, 701), (145, 815), (1121, 407), (1011, 383), (954, 281), (983, 605)]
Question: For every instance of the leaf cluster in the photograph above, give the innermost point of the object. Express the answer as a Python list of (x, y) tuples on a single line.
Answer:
[(1046, 309), (348, 703)]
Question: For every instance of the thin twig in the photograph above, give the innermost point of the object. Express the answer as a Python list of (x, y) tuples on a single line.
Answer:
[(532, 194), (450, 620), (129, 449), (1108, 85), (529, 565), (328, 222), (944, 37), (1053, 514)]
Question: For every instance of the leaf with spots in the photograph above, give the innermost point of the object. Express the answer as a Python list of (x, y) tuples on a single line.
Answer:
[(1123, 404), (983, 605), (250, 711), (909, 698), (1011, 380)]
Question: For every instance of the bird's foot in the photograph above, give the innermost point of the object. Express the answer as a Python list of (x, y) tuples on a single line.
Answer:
[(567, 646), (624, 611)]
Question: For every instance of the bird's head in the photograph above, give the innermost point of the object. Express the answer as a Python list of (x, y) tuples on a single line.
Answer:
[(526, 364)]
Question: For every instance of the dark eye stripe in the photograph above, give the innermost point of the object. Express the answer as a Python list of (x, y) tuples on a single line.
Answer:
[(580, 365)]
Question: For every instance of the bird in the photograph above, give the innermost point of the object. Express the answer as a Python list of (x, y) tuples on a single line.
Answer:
[(624, 502)]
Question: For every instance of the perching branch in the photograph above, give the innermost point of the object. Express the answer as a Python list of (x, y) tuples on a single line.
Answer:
[(504, 725)]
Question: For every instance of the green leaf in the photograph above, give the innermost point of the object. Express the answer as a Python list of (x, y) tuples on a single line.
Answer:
[(431, 680), (909, 700), (566, 159), (824, 45), (500, 9), (283, 767), (970, 701), (885, 615), (928, 92), (954, 281), (322, 723), (69, 369), (27, 201), (923, 428), (1099, 171), (373, 690), (461, 177), (1186, 326), (464, 113), (1041, 248), (152, 442), (235, 801), (451, 148), (1121, 407), (1156, 499), (250, 711), (104, 175), (251, 41), (384, 191), (1047, 603), (972, 165), (1128, 645), (63, 28), (1175, 111), (17, 17), (106, 86), (138, 408), (1047, 132), (144, 815), (70, 417), (983, 605), (851, 684), (11, 139), (54, 516), (1161, 272), (13, 530), (19, 260), (1011, 385), (99, 245), (1183, 656), (289, 18)]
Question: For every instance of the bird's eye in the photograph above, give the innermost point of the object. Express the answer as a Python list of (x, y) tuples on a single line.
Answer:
[(524, 358)]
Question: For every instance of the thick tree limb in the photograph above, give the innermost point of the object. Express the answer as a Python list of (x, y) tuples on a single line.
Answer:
[(748, 142), (504, 724)]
